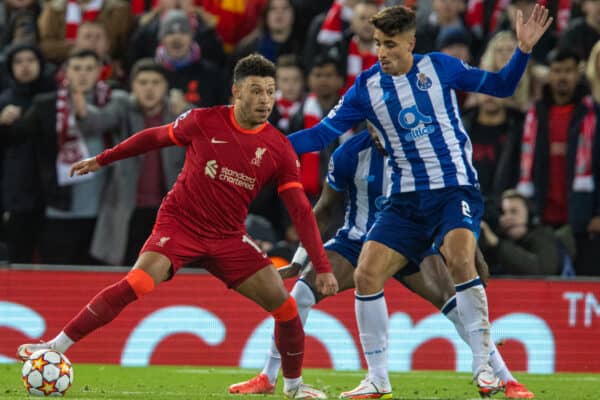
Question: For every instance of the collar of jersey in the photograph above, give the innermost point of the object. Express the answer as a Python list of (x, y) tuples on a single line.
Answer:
[(239, 128)]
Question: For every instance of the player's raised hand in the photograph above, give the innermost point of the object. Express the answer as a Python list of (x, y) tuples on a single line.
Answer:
[(84, 167), (327, 284), (530, 32)]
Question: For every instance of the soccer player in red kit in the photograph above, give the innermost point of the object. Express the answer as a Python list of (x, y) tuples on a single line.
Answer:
[(232, 151)]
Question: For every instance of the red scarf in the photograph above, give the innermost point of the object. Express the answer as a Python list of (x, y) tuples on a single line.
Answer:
[(310, 173), (331, 30), (584, 179), (357, 62), (286, 109), (71, 145), (76, 14)]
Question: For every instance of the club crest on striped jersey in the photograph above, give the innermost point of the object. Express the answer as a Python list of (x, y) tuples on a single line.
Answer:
[(423, 82)]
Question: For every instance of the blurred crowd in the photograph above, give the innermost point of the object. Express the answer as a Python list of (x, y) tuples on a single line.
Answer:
[(77, 76)]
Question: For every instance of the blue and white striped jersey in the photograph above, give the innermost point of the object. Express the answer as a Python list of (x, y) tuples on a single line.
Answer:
[(417, 116), (358, 169)]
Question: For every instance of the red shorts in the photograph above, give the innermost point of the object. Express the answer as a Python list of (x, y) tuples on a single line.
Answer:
[(231, 259)]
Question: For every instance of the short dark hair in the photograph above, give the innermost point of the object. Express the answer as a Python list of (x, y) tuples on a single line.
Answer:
[(394, 20), (147, 65), (563, 53), (324, 59), (253, 65), (83, 53), (289, 61)]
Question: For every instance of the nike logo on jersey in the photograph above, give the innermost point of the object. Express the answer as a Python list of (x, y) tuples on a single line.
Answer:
[(216, 141)]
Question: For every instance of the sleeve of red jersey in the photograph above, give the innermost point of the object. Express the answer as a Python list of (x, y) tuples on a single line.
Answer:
[(178, 132), (291, 193)]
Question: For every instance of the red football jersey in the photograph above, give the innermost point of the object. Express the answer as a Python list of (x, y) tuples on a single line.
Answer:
[(225, 167)]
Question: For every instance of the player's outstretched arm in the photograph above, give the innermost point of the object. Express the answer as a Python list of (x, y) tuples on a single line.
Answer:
[(529, 33), (304, 220), (140, 143)]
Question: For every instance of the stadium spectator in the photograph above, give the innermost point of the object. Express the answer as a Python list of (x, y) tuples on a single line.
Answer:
[(201, 81), (92, 35), (275, 35), (22, 198), (490, 124), (18, 18), (60, 20), (520, 246), (482, 18), (327, 29), (235, 19), (290, 91), (497, 53), (325, 80), (131, 198), (446, 14), (51, 123), (583, 32), (559, 157), (144, 40), (508, 20), (202, 218)]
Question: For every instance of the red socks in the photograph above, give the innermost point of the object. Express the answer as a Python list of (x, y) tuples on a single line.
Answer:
[(103, 308), (289, 338)]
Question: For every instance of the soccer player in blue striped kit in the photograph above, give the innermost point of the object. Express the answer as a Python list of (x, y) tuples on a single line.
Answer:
[(433, 194)]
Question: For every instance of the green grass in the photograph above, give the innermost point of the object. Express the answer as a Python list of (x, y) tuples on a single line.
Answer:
[(161, 382)]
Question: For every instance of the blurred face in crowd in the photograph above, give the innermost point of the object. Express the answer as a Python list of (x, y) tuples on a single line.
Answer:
[(19, 4), (280, 16), (164, 5), (503, 51), (177, 45), (149, 88), (325, 81), (591, 9), (447, 11), (92, 36), (25, 66), (254, 98), (458, 50), (395, 52), (290, 82), (563, 78), (82, 73), (360, 24), (513, 220)]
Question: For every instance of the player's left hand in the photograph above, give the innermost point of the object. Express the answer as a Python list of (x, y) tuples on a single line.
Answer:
[(327, 284), (530, 32), (84, 167)]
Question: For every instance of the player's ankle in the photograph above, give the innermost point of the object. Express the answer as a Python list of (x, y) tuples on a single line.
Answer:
[(291, 383)]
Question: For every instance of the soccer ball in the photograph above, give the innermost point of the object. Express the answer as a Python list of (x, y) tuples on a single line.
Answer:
[(47, 373)]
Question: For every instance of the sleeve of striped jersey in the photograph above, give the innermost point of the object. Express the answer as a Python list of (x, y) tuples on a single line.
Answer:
[(184, 127), (347, 113), (337, 174), (500, 84)]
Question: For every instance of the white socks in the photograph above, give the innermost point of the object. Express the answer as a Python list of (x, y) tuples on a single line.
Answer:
[(61, 342), (305, 299), (471, 303), (373, 325)]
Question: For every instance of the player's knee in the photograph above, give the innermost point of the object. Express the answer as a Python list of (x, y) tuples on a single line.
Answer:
[(140, 281), (287, 311), (365, 281)]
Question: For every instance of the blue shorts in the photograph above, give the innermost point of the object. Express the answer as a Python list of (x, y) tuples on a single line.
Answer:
[(411, 222), (350, 250)]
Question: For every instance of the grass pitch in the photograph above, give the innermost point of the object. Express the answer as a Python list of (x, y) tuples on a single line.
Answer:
[(174, 382)]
